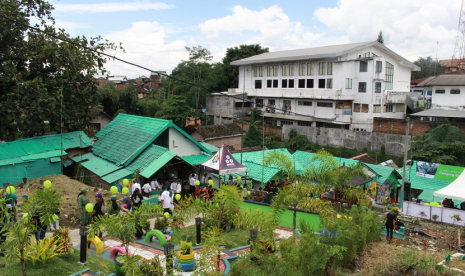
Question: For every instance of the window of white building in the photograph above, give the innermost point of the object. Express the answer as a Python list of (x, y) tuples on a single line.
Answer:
[(363, 66), (302, 69), (285, 69), (376, 108), (389, 79), (329, 83), (330, 68), (455, 91), (310, 69), (348, 83), (322, 68), (362, 87), (306, 103), (258, 71), (377, 87), (379, 66), (388, 108)]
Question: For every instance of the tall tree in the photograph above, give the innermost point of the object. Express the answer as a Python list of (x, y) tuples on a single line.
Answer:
[(380, 38), (253, 137), (428, 66), (176, 109), (231, 73), (41, 77), (199, 57), (114, 99)]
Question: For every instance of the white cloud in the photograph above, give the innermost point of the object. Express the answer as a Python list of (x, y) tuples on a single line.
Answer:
[(70, 27), (112, 7), (411, 28), (145, 45)]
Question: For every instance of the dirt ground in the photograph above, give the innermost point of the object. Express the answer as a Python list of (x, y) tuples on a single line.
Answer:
[(69, 189)]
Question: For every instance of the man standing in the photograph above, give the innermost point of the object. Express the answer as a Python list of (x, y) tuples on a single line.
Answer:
[(146, 188), (154, 184), (192, 184), (82, 201), (99, 209), (165, 200)]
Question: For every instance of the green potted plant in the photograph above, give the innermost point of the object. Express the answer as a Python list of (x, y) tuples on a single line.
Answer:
[(185, 257)]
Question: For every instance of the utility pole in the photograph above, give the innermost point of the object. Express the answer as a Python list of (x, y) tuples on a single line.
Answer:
[(243, 99), (405, 163)]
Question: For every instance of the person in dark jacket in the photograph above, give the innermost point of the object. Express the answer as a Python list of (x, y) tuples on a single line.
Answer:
[(136, 198)]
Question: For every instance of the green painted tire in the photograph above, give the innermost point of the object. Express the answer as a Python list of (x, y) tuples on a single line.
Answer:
[(186, 261)]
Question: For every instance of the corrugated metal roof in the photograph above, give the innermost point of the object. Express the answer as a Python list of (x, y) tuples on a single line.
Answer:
[(42, 155), (383, 172), (440, 113), (43, 144), (196, 159), (444, 80), (305, 160), (212, 148), (100, 166), (157, 164), (84, 157), (147, 157), (117, 175), (256, 157), (319, 52)]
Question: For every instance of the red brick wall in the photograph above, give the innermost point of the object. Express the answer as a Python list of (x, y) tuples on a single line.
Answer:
[(399, 127)]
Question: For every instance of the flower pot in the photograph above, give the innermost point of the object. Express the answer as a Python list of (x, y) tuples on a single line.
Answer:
[(185, 262), (119, 262)]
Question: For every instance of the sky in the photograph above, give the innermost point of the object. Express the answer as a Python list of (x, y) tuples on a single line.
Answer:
[(154, 34)]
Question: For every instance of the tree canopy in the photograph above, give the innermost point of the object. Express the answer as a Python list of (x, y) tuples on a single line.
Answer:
[(114, 99), (380, 38), (429, 67), (444, 144), (43, 78)]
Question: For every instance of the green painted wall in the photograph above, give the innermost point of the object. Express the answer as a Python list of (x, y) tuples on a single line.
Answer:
[(14, 174)]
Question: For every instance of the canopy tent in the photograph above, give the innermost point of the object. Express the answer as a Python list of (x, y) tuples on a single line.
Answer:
[(223, 163), (455, 190)]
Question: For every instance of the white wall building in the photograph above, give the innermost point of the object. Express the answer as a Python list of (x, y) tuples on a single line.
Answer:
[(446, 90), (342, 86)]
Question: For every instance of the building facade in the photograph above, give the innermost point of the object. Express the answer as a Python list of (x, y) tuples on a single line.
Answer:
[(342, 86)]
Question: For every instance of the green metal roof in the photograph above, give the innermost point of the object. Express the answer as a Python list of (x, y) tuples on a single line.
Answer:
[(256, 157), (84, 157), (210, 147), (196, 159), (428, 185), (147, 157), (305, 160), (383, 172), (42, 144), (157, 164), (127, 136), (100, 166), (117, 175), (43, 155)]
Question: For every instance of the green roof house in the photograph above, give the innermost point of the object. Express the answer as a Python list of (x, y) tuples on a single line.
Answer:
[(40, 156), (131, 144)]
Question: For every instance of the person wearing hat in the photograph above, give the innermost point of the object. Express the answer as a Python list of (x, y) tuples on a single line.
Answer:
[(114, 208), (82, 201), (136, 198), (99, 209)]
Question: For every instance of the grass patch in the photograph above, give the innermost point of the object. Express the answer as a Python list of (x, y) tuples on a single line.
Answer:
[(234, 238), (58, 266)]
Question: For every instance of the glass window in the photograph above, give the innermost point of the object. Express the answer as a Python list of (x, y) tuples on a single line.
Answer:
[(362, 87), (322, 68), (268, 83), (258, 84), (377, 87), (283, 122), (301, 83), (389, 80), (275, 83), (379, 66), (430, 93), (291, 69), (348, 83), (440, 91), (330, 68), (363, 66), (304, 123), (310, 69), (302, 69), (258, 71), (310, 83), (284, 83), (259, 102), (321, 83), (275, 70), (376, 108), (269, 71), (455, 91), (306, 103), (284, 69), (388, 108), (329, 83), (291, 83), (400, 107), (271, 102), (323, 104)]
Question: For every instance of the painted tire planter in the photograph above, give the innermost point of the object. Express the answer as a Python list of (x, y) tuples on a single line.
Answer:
[(184, 267), (118, 249), (119, 262), (158, 235), (186, 261), (187, 257)]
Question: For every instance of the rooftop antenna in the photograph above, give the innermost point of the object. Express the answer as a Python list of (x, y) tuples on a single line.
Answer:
[(458, 57)]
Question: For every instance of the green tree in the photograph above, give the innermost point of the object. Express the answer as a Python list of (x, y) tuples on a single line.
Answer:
[(428, 68), (116, 100), (252, 137), (199, 58), (380, 38), (230, 74), (176, 109), (444, 144), (43, 78)]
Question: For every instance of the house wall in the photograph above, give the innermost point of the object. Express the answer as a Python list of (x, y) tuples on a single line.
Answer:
[(180, 144), (14, 174), (101, 119), (229, 141), (448, 99)]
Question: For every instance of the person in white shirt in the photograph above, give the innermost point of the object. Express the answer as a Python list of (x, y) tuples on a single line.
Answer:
[(192, 184), (204, 178), (154, 184), (196, 176), (165, 200), (136, 186), (146, 188), (178, 186), (173, 186)]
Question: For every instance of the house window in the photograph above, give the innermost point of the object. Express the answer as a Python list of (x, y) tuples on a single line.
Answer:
[(379, 66), (269, 71), (310, 69), (400, 107), (376, 108), (321, 83), (291, 83), (440, 91), (284, 83), (455, 91), (302, 69), (310, 83), (259, 102), (291, 69), (301, 83), (389, 79), (275, 70), (330, 68), (258, 84), (377, 87), (363, 108), (268, 83), (270, 121), (306, 103), (356, 107), (363, 66), (348, 83), (275, 83), (388, 108), (429, 93), (283, 122), (323, 104), (271, 102), (304, 123), (322, 68), (284, 69), (362, 87), (329, 83), (258, 71)]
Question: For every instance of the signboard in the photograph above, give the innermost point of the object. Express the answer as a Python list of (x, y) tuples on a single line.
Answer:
[(438, 171)]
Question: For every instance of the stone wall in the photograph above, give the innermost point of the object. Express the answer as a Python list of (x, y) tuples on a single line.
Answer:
[(334, 137), (399, 127)]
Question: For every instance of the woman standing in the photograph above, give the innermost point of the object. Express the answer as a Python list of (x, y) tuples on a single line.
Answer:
[(82, 201), (114, 208), (136, 198), (99, 209)]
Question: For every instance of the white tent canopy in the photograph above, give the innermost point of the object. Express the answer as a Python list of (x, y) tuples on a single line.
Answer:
[(455, 190), (223, 163)]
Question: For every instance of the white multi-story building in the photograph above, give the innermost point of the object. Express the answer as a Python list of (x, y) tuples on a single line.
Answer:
[(344, 86)]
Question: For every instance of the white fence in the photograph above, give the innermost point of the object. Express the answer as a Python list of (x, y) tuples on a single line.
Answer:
[(427, 212)]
